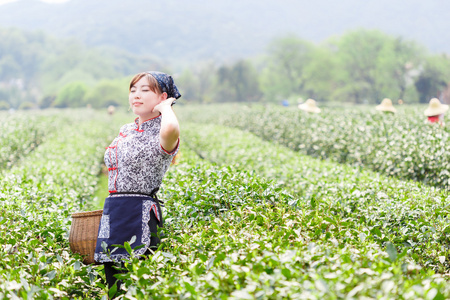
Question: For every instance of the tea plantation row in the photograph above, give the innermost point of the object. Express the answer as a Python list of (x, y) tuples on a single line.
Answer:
[(411, 215), (400, 145), (37, 196)]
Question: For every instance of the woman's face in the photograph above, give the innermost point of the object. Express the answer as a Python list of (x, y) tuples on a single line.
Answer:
[(142, 99)]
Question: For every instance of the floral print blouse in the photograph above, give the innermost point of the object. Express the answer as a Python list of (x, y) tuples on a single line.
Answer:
[(136, 160)]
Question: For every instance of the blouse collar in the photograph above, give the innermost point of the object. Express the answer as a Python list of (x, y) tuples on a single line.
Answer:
[(147, 123)]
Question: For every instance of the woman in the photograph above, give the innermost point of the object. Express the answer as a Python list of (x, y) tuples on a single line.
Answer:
[(137, 160)]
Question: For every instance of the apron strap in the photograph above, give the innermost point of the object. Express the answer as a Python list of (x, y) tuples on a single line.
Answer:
[(151, 195)]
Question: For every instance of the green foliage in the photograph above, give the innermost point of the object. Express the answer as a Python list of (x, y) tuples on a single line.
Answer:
[(35, 67), (434, 78), (13, 94), (190, 85), (390, 215), (358, 52), (397, 67), (8, 68), (4, 105), (238, 83), (331, 191), (283, 74), (71, 95), (27, 105), (320, 74), (400, 145), (269, 249), (374, 65), (73, 61), (108, 92), (37, 196), (20, 138), (361, 66), (250, 219), (198, 83)]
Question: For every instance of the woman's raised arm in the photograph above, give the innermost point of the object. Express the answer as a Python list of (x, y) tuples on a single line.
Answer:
[(170, 128)]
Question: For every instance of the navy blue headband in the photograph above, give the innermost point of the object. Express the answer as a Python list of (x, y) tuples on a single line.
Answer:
[(166, 83)]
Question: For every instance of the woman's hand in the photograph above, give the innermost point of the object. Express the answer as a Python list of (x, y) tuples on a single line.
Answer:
[(163, 105)]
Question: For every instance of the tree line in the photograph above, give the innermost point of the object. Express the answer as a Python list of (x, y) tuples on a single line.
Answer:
[(37, 70), (361, 66)]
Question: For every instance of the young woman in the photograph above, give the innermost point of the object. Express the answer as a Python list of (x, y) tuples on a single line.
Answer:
[(137, 160)]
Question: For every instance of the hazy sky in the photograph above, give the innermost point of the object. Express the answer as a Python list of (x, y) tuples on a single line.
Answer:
[(226, 27), (46, 1)]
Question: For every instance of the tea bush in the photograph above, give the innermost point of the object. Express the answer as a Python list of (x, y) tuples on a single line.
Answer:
[(21, 133), (37, 197), (245, 219), (264, 249), (355, 203), (400, 145)]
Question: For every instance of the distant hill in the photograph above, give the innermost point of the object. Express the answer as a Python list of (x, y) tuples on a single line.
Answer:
[(180, 31)]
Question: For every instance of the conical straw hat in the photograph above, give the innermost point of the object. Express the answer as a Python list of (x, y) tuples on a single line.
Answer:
[(435, 107), (309, 106), (386, 105)]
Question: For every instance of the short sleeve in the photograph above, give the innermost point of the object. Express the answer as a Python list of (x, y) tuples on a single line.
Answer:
[(166, 153)]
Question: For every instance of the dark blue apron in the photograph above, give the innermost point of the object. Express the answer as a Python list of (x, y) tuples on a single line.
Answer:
[(124, 217)]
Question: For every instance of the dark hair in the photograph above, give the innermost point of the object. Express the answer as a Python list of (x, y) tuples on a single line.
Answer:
[(153, 83)]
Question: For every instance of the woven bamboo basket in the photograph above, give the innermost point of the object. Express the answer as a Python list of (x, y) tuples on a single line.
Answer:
[(83, 233)]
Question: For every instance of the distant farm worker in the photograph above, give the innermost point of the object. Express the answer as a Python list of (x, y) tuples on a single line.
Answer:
[(111, 109), (435, 111), (386, 106), (137, 160), (309, 106)]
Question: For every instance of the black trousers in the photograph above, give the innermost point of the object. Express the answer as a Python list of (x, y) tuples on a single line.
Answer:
[(112, 269)]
